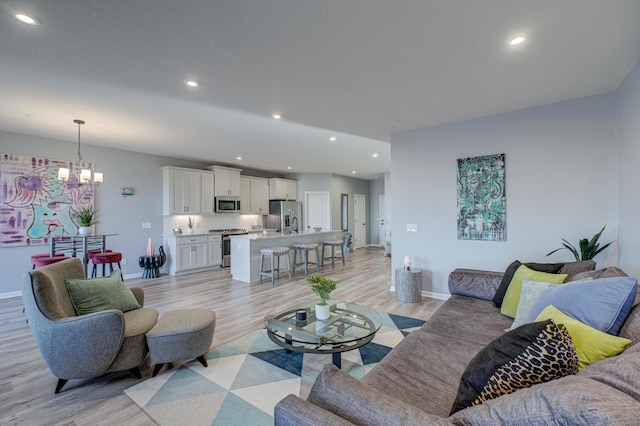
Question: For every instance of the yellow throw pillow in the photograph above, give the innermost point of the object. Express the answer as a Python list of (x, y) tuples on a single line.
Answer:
[(512, 296), (592, 345)]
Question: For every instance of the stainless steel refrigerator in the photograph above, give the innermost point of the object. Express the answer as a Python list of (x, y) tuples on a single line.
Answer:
[(285, 216)]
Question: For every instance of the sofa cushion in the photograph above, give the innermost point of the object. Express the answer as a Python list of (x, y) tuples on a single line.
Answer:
[(631, 328), (592, 345), (531, 354), (90, 295), (440, 361), (551, 268), (621, 372), (603, 303), (574, 268), (504, 284), (512, 296), (531, 290), (337, 392), (571, 400)]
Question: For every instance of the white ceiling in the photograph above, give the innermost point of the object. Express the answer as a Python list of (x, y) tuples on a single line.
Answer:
[(357, 69)]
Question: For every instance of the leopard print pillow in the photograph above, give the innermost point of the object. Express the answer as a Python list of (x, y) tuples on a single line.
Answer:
[(530, 354)]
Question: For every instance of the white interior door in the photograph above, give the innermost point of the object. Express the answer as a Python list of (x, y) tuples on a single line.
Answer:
[(317, 210), (382, 228), (359, 221)]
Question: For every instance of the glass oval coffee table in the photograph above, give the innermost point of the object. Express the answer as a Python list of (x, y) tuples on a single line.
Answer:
[(350, 325)]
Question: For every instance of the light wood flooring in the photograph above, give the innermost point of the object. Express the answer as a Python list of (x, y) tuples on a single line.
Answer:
[(27, 386)]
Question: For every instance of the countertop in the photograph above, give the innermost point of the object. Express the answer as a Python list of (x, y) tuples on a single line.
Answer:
[(274, 235)]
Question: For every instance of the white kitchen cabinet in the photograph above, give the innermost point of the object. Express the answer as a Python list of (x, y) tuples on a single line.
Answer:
[(254, 195), (215, 250), (245, 194), (208, 197), (227, 180), (181, 191), (283, 189), (186, 253)]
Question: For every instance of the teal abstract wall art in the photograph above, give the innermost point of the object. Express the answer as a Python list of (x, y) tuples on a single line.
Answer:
[(481, 198)]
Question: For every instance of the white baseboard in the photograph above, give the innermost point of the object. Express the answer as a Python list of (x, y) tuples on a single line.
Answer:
[(10, 294), (439, 296)]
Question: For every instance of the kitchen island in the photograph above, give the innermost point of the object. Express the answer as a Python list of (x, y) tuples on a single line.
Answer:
[(245, 249)]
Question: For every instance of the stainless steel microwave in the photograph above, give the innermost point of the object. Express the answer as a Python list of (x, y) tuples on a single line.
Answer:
[(227, 204)]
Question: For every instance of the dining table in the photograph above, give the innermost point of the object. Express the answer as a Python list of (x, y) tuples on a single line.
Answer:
[(79, 245)]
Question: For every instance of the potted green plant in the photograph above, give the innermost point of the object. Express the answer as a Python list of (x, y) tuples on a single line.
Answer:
[(190, 226), (322, 287), (588, 248), (86, 218)]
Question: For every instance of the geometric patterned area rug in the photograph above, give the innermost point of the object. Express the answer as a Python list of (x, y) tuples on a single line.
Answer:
[(246, 378)]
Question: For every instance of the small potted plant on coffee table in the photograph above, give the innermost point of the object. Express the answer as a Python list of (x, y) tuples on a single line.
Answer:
[(322, 287), (87, 217)]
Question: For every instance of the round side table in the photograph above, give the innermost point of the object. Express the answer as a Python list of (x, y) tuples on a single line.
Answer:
[(409, 285)]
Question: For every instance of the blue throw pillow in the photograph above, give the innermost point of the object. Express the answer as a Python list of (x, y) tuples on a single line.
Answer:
[(602, 304)]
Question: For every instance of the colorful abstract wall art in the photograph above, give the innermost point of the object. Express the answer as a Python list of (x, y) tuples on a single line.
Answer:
[(34, 205), (481, 198)]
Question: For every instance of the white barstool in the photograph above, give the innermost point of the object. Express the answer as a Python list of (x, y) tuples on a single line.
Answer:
[(274, 252), (333, 244), (304, 249)]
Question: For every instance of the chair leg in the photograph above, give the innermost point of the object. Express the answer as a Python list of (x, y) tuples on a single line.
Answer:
[(323, 246), (295, 255), (342, 254), (61, 383), (289, 266), (273, 272), (261, 265), (156, 369), (94, 271), (202, 360), (136, 372), (318, 259)]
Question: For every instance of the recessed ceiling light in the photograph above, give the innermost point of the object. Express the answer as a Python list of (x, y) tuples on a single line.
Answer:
[(238, 158), (277, 116), (517, 40), (191, 83), (289, 168), (26, 19), (354, 172), (333, 138), (374, 155)]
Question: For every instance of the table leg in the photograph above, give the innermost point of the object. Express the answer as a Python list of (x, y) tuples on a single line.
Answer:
[(337, 359)]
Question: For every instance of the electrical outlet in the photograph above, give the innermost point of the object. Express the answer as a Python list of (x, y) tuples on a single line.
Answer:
[(146, 225), (412, 227), (124, 261)]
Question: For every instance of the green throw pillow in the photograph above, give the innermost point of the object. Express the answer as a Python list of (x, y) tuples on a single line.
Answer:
[(512, 296), (90, 295), (592, 345)]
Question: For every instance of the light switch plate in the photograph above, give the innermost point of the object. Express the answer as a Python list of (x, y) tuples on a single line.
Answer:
[(146, 225), (412, 227)]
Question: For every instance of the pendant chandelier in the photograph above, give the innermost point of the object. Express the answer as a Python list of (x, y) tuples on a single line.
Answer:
[(78, 174)]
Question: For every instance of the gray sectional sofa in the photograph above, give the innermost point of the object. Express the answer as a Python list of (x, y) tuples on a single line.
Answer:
[(417, 382)]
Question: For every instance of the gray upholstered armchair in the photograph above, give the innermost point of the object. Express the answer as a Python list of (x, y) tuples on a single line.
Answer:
[(76, 347)]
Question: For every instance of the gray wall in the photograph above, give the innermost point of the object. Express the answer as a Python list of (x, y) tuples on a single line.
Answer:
[(561, 182), (124, 215), (119, 215), (350, 186), (628, 118), (336, 185)]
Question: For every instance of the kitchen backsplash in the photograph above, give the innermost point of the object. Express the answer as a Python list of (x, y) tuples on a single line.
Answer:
[(205, 222)]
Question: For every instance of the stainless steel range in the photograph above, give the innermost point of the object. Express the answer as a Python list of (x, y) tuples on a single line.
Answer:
[(226, 242)]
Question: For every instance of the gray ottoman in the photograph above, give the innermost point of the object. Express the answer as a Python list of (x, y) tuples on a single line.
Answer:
[(181, 335)]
